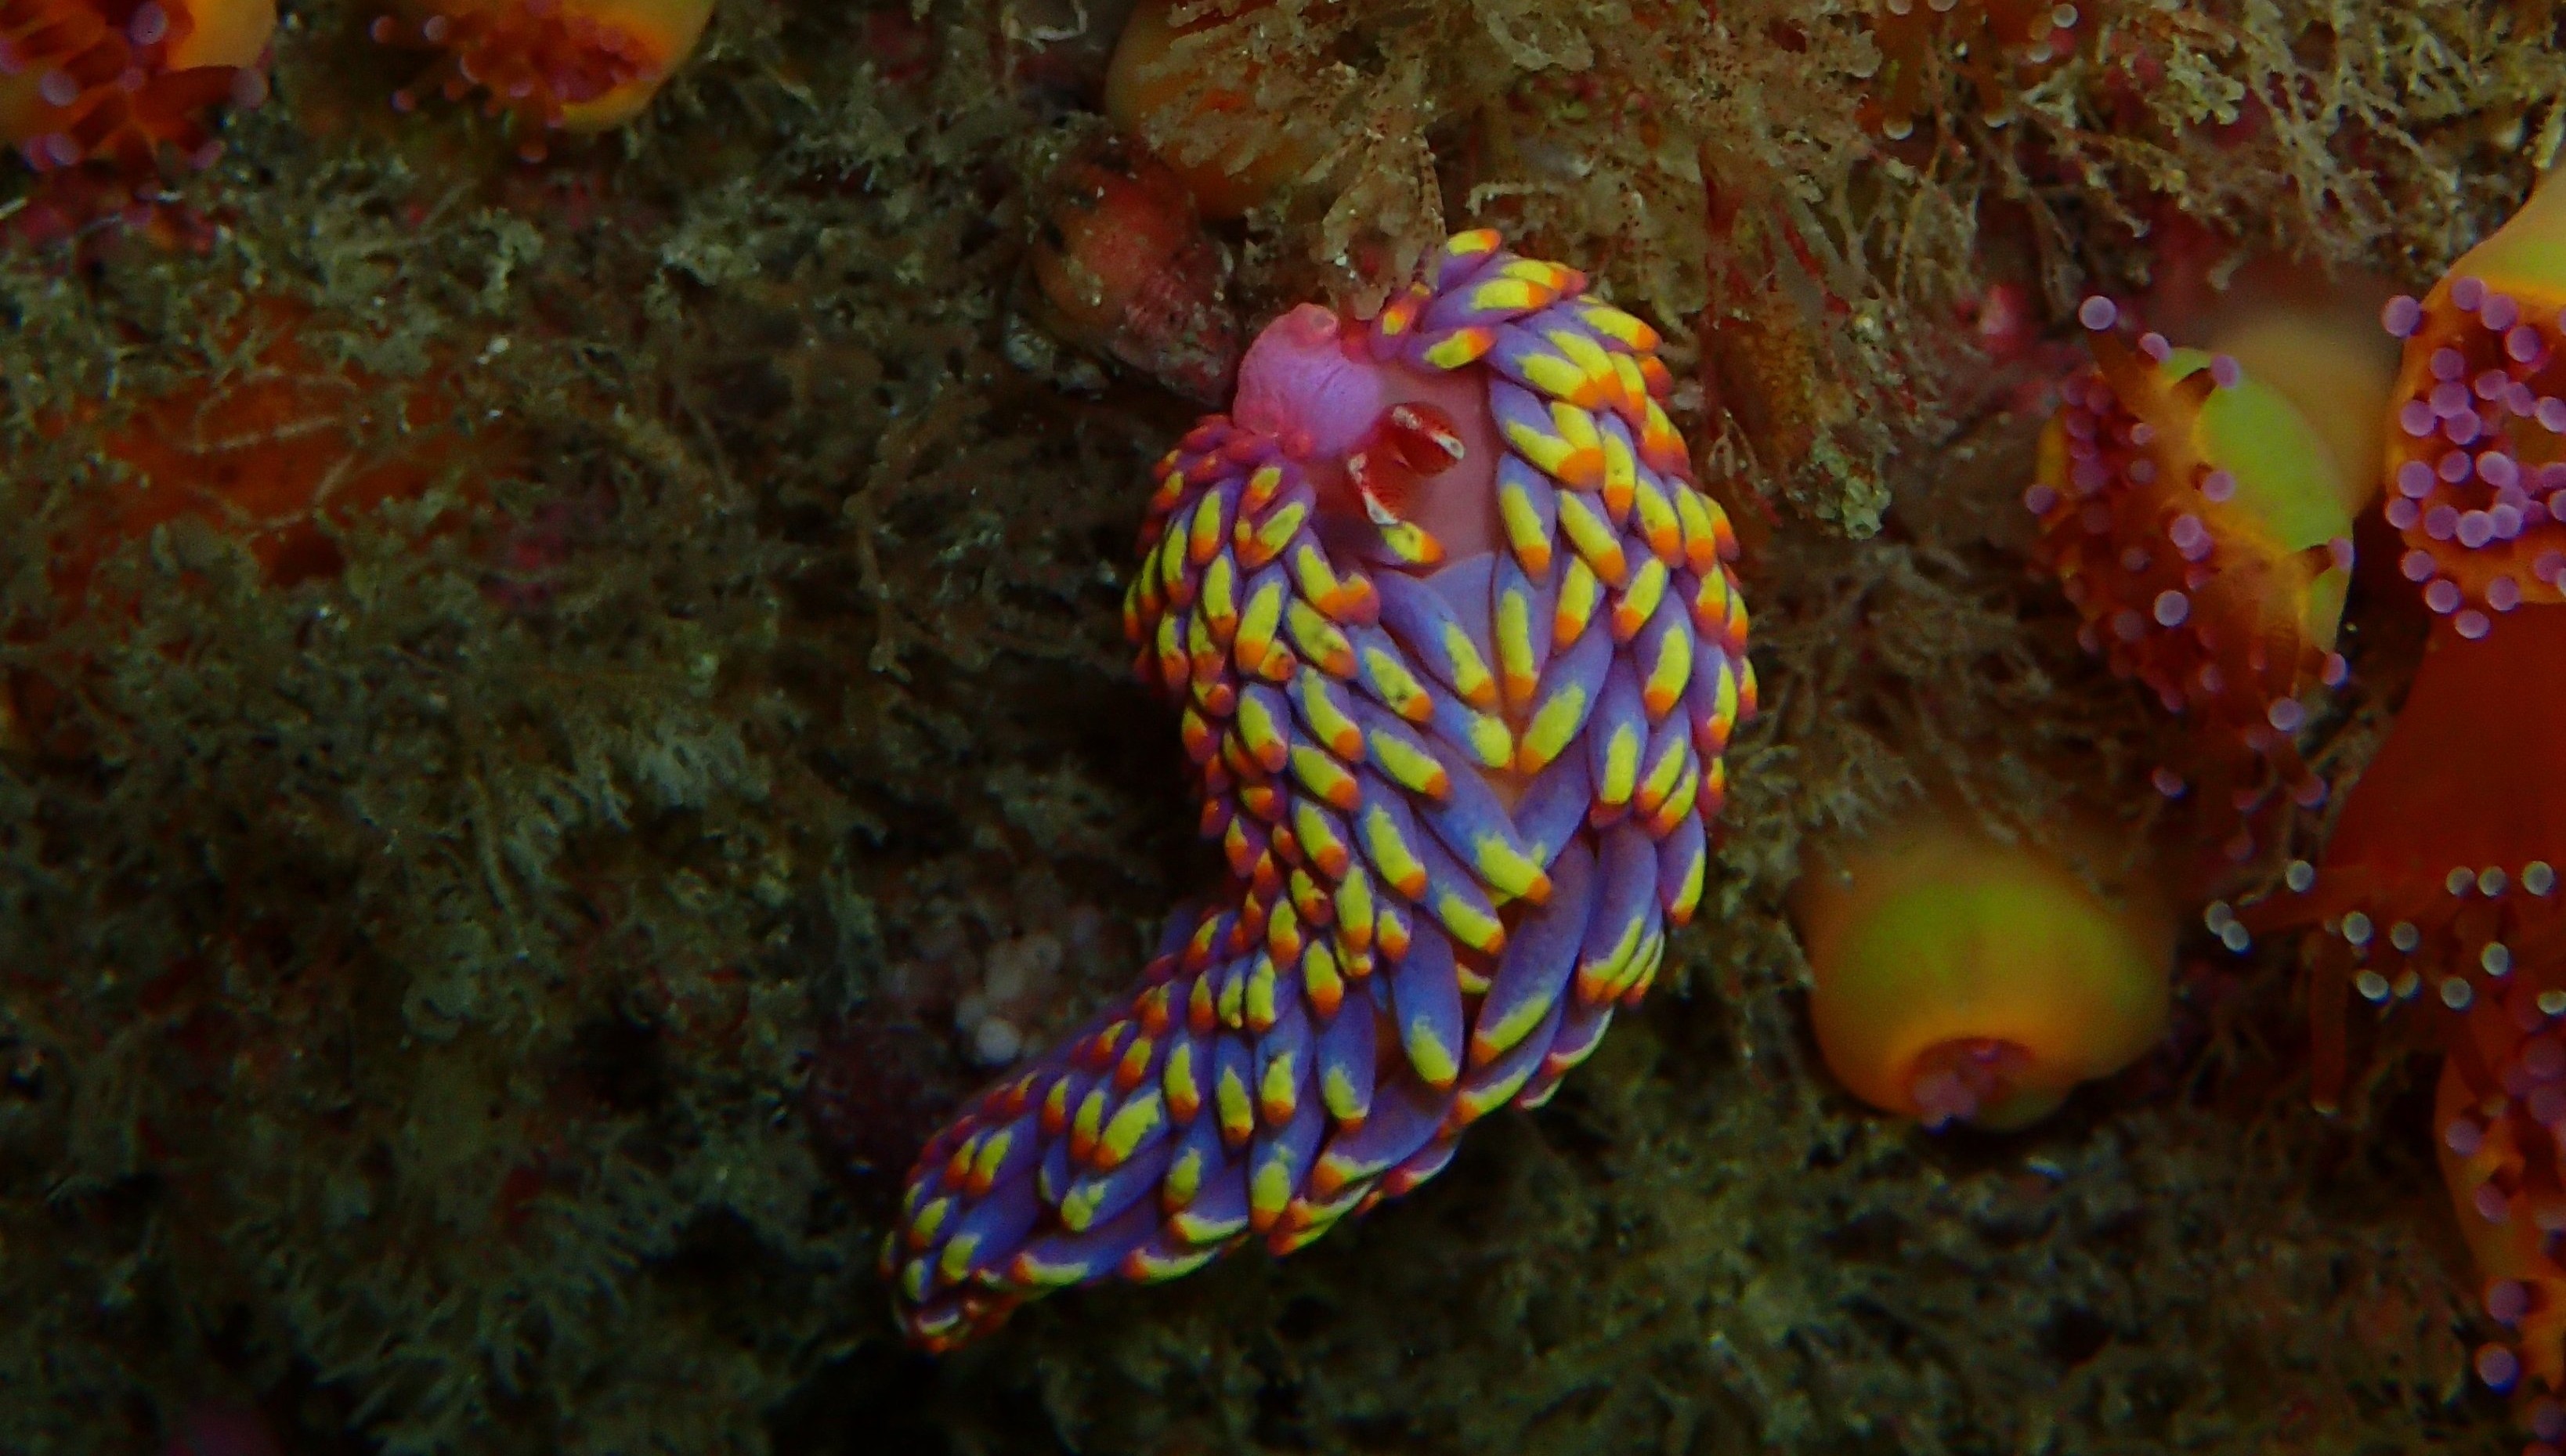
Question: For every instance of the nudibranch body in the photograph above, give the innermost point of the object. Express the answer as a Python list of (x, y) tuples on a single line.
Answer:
[(1958, 978), (549, 65), (2199, 525), (106, 89), (2440, 880), (1457, 652)]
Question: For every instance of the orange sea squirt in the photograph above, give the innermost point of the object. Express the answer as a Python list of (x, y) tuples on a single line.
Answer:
[(1956, 978), (549, 65)]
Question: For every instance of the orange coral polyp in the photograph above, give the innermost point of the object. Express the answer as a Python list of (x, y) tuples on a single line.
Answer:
[(115, 84), (549, 65)]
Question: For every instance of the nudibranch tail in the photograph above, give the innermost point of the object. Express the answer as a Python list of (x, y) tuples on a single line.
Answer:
[(1463, 788), (2198, 523)]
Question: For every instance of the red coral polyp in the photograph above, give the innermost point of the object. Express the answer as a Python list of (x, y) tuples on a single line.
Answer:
[(548, 65), (111, 87)]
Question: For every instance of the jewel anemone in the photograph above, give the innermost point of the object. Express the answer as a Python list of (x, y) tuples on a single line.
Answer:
[(112, 94), (1164, 74), (2200, 524), (2438, 883)]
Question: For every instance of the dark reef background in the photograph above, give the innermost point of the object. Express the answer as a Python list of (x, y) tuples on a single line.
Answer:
[(476, 993)]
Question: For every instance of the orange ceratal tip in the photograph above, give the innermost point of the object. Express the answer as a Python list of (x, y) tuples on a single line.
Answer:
[(548, 65), (2202, 528), (2479, 425), (1166, 74), (112, 86), (1960, 978)]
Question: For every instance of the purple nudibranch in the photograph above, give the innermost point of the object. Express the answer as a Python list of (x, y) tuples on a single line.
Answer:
[(1458, 650)]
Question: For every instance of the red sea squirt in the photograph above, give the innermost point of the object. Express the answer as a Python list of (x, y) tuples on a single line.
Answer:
[(1457, 650), (1124, 267)]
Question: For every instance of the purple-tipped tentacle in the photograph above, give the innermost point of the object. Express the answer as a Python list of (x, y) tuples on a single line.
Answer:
[(1463, 800)]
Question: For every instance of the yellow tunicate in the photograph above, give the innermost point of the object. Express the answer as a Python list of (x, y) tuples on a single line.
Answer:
[(1960, 978)]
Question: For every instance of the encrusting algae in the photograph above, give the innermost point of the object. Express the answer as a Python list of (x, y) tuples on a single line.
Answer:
[(568, 708)]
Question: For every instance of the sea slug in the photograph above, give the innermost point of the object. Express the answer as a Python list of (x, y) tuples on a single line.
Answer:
[(1458, 650)]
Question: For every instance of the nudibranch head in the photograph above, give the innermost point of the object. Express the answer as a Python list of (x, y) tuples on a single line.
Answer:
[(549, 65), (2477, 450), (1457, 653), (2199, 525), (111, 86), (1956, 978), (1376, 437)]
